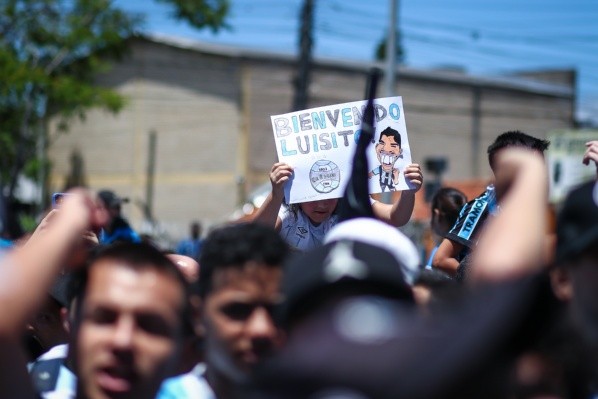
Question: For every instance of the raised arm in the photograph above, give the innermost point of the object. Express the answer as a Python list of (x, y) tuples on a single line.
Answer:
[(591, 154), (268, 213), (30, 269), (512, 244), (25, 275), (399, 213)]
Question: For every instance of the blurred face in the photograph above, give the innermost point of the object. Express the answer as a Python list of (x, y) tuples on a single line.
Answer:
[(319, 211), (46, 327), (239, 328), (130, 331), (388, 151)]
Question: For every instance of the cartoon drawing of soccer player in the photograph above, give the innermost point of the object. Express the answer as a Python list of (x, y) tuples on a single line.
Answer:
[(388, 150)]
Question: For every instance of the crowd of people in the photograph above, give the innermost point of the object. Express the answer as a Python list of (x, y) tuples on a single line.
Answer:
[(303, 303)]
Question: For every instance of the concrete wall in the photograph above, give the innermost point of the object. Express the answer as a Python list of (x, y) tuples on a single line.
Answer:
[(211, 115)]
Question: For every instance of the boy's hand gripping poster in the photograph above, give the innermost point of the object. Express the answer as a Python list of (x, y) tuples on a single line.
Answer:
[(319, 144)]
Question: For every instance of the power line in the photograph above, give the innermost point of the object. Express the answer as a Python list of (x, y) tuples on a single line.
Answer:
[(352, 29), (476, 33), (489, 48)]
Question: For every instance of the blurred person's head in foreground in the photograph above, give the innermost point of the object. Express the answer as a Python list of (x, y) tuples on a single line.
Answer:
[(381, 235), (575, 277), (361, 258), (342, 301), (132, 305), (239, 287)]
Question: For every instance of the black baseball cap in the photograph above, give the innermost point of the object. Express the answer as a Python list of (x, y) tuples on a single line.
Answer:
[(111, 199), (337, 267), (577, 223)]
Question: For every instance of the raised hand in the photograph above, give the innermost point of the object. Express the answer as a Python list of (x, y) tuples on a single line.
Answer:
[(591, 154), (414, 175), (279, 175)]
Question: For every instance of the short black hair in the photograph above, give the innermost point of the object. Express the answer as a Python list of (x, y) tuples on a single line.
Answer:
[(390, 132), (137, 256), (516, 138), (234, 245)]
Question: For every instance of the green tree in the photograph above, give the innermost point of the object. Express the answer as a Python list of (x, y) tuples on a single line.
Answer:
[(201, 13), (50, 53)]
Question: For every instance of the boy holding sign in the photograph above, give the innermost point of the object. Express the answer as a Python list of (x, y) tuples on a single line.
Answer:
[(319, 144), (304, 225)]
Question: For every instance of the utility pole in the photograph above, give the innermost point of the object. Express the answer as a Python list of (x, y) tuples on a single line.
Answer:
[(391, 48), (391, 64), (302, 78), (150, 176)]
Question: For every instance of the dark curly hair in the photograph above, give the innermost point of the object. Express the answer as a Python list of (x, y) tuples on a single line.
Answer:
[(233, 246)]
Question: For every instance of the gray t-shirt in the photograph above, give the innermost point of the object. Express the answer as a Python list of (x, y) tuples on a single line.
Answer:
[(300, 233)]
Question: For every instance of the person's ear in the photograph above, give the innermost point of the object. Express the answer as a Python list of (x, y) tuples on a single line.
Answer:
[(562, 286)]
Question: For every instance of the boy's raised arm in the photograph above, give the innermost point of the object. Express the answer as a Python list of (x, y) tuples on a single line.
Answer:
[(268, 213), (399, 213)]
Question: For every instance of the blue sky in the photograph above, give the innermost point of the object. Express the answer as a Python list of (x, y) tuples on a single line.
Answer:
[(481, 36)]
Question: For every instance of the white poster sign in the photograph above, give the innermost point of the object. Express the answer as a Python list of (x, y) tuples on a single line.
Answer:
[(319, 144), (565, 165)]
